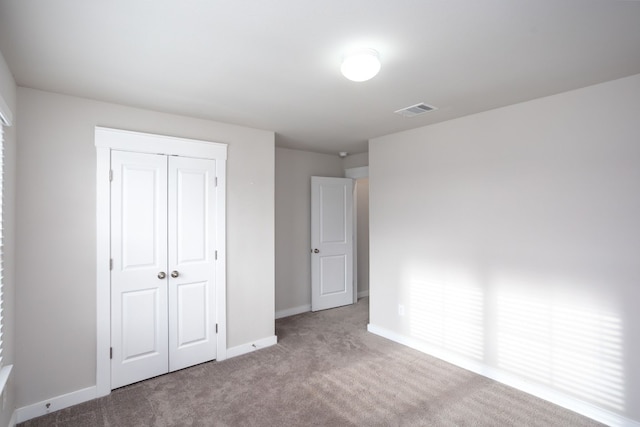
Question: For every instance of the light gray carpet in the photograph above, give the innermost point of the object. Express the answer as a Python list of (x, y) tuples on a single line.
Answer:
[(326, 370)]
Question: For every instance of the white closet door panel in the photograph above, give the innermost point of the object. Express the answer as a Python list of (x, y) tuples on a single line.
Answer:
[(192, 317), (193, 310), (139, 330), (191, 214), (140, 311), (141, 217)]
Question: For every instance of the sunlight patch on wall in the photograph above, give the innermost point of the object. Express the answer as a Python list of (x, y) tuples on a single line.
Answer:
[(448, 315), (575, 349)]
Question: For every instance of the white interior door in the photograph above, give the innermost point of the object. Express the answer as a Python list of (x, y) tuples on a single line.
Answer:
[(163, 251), (331, 242), (139, 328), (192, 320)]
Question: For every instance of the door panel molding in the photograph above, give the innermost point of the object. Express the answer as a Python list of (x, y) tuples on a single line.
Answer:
[(333, 274), (106, 140)]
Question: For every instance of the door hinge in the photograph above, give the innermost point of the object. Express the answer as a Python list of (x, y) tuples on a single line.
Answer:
[(111, 264), (110, 352), (216, 328), (216, 181), (110, 174), (216, 255)]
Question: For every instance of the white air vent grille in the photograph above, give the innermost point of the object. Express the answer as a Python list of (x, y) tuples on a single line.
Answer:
[(415, 110)]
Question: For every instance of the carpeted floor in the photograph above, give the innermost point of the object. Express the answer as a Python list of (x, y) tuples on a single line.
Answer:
[(326, 370)]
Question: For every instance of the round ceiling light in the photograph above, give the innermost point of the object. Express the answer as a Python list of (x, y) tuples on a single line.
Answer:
[(361, 65)]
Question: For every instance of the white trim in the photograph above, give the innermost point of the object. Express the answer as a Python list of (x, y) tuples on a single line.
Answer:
[(113, 139), (354, 261), (55, 404), (221, 262), (543, 392), (14, 419), (252, 346), (357, 173), (293, 311), (103, 281), (5, 372), (6, 116), (124, 140), (363, 294)]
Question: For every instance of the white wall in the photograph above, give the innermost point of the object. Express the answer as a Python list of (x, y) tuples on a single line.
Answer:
[(512, 239), (294, 169), (56, 320), (8, 94)]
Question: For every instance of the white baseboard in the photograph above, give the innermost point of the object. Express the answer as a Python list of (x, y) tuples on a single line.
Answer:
[(293, 311), (252, 346), (55, 404), (363, 294), (543, 392)]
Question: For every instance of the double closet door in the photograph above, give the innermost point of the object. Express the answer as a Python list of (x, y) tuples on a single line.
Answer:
[(163, 273)]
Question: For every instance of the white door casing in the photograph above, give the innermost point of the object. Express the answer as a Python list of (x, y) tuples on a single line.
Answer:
[(106, 141), (331, 243)]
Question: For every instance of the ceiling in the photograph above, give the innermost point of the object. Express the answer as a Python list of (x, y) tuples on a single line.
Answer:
[(274, 64)]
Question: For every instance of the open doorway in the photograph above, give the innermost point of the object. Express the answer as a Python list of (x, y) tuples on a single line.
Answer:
[(362, 236), (360, 175)]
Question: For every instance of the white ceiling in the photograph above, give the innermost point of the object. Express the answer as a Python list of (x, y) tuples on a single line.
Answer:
[(274, 64)]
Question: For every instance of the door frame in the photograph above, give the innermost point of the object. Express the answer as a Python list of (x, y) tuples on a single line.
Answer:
[(106, 140), (356, 174)]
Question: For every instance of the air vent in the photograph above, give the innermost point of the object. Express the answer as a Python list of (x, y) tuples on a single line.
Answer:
[(415, 110)]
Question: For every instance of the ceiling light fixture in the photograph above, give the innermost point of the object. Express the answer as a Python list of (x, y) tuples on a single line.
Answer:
[(360, 65)]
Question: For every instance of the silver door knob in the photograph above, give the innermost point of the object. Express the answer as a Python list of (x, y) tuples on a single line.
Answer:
[(316, 251), (161, 275), (174, 274)]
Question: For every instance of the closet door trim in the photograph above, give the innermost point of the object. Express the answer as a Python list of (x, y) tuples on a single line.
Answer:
[(106, 140)]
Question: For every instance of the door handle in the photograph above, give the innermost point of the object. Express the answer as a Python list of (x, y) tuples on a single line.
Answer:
[(161, 275), (174, 274), (316, 251)]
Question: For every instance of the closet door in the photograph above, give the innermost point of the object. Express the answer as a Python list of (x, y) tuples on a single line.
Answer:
[(139, 278), (192, 320)]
